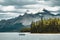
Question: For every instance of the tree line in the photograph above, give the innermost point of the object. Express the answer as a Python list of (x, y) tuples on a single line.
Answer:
[(51, 25), (46, 26)]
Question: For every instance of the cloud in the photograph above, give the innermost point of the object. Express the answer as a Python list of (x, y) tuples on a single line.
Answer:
[(11, 9), (1, 1), (44, 2), (20, 6), (8, 8), (17, 2), (54, 2), (8, 15), (39, 7), (16, 5)]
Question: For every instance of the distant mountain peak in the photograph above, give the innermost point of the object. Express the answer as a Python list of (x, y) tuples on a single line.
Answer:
[(45, 10)]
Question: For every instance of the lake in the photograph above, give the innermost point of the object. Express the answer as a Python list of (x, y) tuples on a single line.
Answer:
[(28, 36)]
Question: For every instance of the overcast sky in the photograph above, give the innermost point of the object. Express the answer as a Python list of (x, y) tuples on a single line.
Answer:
[(13, 8)]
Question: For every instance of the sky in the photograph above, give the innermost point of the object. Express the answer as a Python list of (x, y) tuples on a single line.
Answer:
[(13, 8)]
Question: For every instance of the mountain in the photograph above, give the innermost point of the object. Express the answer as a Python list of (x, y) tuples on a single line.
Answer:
[(7, 26), (16, 24)]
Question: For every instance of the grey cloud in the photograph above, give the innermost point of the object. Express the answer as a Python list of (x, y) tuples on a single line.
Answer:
[(54, 2), (23, 7), (2, 11), (10, 11), (18, 2)]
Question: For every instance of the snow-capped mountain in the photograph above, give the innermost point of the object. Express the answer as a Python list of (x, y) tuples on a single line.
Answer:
[(19, 22)]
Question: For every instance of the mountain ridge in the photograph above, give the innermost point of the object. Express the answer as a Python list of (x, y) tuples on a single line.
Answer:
[(19, 22)]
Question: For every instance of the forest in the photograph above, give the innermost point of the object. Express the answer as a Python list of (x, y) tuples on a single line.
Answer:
[(51, 25)]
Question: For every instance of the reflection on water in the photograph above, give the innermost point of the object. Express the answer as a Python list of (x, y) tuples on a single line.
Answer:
[(40, 37), (28, 36), (9, 36)]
